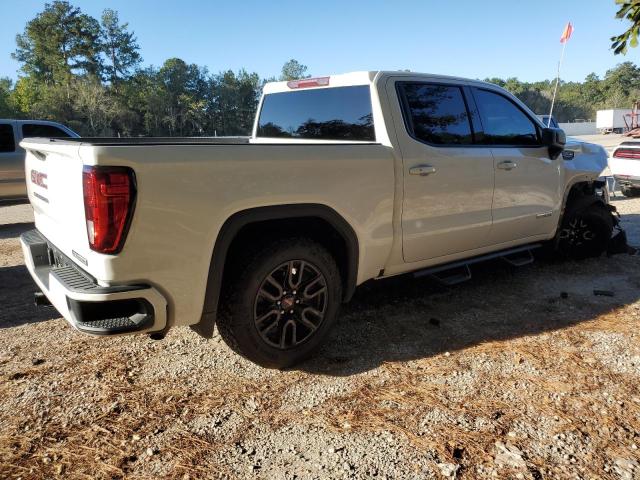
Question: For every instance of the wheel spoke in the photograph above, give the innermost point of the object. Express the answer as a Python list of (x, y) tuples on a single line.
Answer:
[(308, 323), (273, 283), (267, 315), (283, 336), (311, 284)]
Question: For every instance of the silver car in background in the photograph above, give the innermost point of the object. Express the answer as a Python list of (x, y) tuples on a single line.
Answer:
[(12, 179)]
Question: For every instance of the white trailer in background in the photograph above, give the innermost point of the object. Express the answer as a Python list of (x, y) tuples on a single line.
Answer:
[(612, 120)]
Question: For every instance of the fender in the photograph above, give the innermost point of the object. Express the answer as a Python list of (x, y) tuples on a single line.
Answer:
[(581, 201), (237, 221)]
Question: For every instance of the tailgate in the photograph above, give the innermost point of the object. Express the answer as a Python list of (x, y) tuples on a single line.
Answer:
[(54, 184)]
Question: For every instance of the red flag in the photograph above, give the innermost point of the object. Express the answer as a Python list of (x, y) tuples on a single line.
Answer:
[(566, 34)]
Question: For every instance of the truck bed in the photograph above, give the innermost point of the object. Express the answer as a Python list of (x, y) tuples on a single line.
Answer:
[(133, 141)]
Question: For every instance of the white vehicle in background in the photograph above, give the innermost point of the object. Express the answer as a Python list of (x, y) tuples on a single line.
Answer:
[(12, 181), (625, 167), (612, 120)]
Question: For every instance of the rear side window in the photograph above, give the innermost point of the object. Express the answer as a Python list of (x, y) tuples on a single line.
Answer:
[(436, 114), (338, 113), (48, 131), (7, 140), (503, 122)]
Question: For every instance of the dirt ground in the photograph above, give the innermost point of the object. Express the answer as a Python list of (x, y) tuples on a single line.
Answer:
[(519, 373)]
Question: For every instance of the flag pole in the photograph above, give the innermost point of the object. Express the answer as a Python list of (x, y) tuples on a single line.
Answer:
[(555, 90)]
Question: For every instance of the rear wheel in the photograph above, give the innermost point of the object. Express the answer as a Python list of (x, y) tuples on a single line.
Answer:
[(586, 233), (630, 192), (281, 303)]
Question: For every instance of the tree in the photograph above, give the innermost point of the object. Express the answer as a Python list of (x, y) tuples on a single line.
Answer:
[(6, 108), (629, 10), (293, 70), (119, 46), (59, 42)]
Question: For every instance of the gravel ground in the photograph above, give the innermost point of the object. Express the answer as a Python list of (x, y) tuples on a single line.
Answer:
[(516, 374)]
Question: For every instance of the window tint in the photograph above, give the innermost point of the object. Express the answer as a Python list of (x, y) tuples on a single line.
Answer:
[(48, 131), (503, 122), (341, 113), (7, 142), (437, 113)]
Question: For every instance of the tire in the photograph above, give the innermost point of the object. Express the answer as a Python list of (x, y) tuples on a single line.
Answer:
[(586, 233), (251, 319), (630, 192)]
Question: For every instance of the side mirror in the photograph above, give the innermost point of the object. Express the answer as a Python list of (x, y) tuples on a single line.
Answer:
[(555, 139)]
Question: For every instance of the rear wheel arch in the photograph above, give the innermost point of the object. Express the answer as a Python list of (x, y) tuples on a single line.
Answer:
[(325, 223)]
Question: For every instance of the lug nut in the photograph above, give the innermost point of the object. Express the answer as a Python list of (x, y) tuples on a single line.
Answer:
[(294, 292), (297, 301), (279, 302), (291, 311)]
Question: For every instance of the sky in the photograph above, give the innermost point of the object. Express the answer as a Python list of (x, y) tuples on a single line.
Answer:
[(468, 38)]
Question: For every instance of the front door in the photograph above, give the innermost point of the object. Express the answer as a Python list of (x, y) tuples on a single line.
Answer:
[(527, 194), (448, 181)]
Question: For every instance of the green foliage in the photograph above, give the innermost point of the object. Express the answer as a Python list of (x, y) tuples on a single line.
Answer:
[(579, 100), (293, 70), (119, 46), (60, 42), (87, 74), (629, 10), (6, 108)]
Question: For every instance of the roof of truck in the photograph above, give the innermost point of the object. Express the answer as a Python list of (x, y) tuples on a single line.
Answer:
[(356, 78)]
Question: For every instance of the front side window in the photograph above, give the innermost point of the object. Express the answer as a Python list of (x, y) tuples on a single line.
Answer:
[(503, 122), (37, 130), (7, 141), (337, 113), (436, 114)]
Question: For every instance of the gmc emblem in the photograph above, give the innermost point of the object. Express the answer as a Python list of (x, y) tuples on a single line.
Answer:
[(39, 178)]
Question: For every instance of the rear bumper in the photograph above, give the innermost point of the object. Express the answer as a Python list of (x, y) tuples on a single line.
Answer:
[(87, 306)]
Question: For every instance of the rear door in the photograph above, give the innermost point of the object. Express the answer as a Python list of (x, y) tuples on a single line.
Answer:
[(12, 182), (448, 181), (528, 193)]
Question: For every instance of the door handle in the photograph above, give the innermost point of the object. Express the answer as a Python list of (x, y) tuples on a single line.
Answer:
[(507, 165), (422, 170)]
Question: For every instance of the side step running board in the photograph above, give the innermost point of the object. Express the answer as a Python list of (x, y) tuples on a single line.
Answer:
[(457, 272), (454, 275), (518, 259)]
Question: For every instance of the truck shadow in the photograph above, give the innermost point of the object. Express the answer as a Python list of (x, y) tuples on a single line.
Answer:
[(404, 319), (16, 295), (14, 230)]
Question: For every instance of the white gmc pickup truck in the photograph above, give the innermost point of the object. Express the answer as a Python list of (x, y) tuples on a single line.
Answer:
[(345, 179)]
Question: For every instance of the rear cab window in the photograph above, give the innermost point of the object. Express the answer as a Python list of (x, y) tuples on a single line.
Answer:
[(7, 138), (435, 114), (38, 130), (334, 113)]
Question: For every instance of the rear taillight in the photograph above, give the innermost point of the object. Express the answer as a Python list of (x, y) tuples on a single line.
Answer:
[(109, 194), (627, 153)]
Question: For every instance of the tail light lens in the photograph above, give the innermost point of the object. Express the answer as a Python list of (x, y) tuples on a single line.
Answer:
[(627, 153), (109, 194)]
